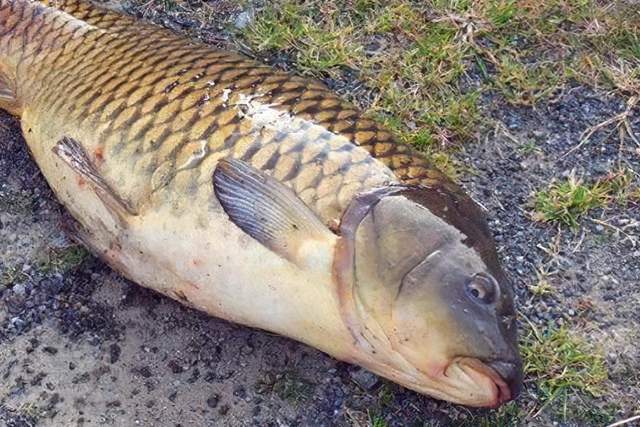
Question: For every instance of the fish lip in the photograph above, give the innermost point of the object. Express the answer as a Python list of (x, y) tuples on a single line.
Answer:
[(503, 391), (511, 373)]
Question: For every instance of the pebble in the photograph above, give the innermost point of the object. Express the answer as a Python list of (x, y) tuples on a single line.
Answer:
[(19, 289), (246, 350), (243, 20), (364, 378), (213, 400)]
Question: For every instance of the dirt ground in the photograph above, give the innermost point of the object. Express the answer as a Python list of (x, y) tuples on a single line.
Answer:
[(80, 345)]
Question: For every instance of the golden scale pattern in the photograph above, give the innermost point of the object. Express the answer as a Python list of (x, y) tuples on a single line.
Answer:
[(160, 107)]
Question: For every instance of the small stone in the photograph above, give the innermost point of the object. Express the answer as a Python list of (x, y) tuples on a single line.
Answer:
[(114, 353), (145, 372), (50, 350), (364, 378), (246, 350), (17, 323), (213, 400), (243, 19), (240, 392), (19, 289), (175, 367)]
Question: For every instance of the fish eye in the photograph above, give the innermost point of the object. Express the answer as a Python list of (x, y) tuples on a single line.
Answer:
[(481, 288)]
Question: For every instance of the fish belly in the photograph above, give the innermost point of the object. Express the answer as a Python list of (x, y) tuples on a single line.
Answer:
[(213, 267)]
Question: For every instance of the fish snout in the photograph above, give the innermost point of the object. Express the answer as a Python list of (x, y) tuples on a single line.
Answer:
[(511, 373)]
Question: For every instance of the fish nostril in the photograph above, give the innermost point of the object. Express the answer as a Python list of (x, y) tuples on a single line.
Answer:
[(482, 288)]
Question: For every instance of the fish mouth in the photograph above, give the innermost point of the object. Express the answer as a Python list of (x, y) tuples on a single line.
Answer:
[(497, 381)]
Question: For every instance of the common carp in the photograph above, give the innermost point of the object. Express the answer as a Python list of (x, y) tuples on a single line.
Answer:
[(259, 197)]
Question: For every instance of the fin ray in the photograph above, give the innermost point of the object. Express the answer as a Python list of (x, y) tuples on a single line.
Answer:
[(266, 209)]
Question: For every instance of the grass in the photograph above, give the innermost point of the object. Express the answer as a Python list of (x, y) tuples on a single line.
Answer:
[(10, 275), (413, 65), (427, 62), (542, 286), (386, 395), (61, 259), (566, 202), (507, 416), (562, 365), (375, 420), (289, 386)]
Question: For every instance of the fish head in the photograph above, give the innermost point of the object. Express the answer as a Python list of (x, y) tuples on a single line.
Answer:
[(428, 304)]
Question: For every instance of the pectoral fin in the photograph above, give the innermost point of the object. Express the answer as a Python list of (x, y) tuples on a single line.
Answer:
[(74, 155), (267, 210)]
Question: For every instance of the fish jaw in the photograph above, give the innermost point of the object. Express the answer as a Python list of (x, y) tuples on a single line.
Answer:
[(461, 380), (494, 390)]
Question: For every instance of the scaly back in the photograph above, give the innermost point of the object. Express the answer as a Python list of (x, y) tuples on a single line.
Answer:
[(167, 108)]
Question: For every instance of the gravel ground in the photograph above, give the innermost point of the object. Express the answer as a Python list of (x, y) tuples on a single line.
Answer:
[(80, 345)]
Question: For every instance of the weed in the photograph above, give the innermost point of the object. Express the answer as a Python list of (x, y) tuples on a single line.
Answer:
[(62, 259), (30, 410), (386, 396), (10, 275), (524, 83), (529, 147), (289, 386), (508, 415), (561, 363), (621, 186), (375, 420), (542, 287), (566, 202), (500, 13)]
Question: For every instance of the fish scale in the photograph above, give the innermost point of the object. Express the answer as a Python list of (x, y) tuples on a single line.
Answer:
[(150, 95)]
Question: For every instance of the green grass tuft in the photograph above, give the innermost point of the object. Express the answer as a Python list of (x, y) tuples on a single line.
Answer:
[(566, 202), (561, 363), (62, 259), (375, 420)]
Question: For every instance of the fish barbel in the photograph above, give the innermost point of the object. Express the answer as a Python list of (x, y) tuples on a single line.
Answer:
[(259, 197)]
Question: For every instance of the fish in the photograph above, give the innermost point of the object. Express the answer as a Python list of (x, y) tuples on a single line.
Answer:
[(260, 197)]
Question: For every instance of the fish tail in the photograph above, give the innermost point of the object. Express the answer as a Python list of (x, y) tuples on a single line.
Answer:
[(30, 34)]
